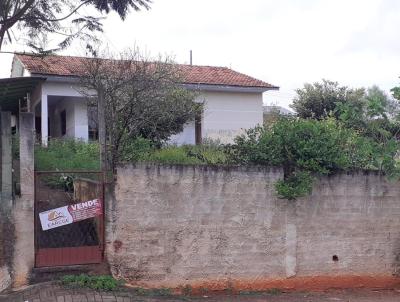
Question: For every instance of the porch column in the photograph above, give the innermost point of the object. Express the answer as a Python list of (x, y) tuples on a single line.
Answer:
[(6, 155), (45, 119)]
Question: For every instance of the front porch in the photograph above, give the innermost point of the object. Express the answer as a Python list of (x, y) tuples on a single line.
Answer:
[(62, 112), (66, 117)]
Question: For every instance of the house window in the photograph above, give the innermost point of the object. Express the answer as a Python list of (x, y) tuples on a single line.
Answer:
[(63, 119), (92, 120)]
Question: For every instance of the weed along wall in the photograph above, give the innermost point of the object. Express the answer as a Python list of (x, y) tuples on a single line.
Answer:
[(216, 228)]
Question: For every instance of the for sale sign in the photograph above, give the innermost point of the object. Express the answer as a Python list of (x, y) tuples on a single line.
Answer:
[(69, 214)]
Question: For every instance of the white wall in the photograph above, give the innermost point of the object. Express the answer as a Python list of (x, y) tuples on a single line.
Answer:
[(77, 121), (73, 103), (61, 89), (81, 119), (55, 119), (186, 137), (226, 115)]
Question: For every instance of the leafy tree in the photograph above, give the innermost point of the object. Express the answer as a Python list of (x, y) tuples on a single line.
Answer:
[(319, 100), (396, 92), (67, 19), (142, 98), (376, 116), (377, 103)]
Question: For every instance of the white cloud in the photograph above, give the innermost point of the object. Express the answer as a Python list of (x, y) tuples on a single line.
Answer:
[(284, 42)]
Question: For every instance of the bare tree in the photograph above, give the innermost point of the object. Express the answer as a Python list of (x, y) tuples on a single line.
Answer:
[(137, 97)]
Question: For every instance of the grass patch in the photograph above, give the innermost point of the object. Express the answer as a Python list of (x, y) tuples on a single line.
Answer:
[(187, 290), (164, 292), (209, 153), (272, 291), (62, 155), (101, 283), (172, 155)]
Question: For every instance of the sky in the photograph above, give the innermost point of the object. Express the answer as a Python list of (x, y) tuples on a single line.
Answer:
[(286, 43)]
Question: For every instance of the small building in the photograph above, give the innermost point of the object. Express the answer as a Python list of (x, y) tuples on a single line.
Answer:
[(232, 101), (272, 112)]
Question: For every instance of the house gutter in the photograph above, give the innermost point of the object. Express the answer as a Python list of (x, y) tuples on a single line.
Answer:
[(189, 86), (226, 88)]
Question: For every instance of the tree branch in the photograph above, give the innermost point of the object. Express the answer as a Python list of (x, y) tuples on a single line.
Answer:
[(8, 23), (62, 18)]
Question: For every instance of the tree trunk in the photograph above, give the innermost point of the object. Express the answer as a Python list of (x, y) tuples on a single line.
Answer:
[(102, 129)]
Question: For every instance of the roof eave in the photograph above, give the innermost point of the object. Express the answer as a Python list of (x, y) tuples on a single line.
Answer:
[(228, 88), (12, 90), (57, 78), (190, 86)]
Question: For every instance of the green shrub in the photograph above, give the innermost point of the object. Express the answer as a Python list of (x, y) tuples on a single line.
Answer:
[(101, 283), (64, 155), (304, 147), (137, 149), (296, 185)]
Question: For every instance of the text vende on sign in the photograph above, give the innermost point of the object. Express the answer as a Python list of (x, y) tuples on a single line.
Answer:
[(69, 214)]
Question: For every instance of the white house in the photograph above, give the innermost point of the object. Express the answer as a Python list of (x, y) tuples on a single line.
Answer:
[(233, 101)]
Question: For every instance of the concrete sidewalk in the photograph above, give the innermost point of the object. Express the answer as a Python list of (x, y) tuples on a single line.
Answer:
[(50, 292)]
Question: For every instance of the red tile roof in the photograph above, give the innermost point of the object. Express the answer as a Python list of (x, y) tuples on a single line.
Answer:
[(192, 74)]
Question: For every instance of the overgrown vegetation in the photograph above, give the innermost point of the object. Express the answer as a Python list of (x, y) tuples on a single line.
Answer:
[(62, 155), (337, 128), (307, 147), (144, 150), (140, 97), (348, 130), (100, 283)]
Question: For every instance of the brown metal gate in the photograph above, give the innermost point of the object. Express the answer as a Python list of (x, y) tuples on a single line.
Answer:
[(69, 218)]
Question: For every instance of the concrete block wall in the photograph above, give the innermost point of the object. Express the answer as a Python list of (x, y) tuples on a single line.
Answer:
[(219, 227)]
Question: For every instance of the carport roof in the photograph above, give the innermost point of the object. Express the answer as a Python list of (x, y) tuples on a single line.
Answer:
[(14, 89)]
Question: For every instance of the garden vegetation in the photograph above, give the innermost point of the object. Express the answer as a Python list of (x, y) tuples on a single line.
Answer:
[(357, 130)]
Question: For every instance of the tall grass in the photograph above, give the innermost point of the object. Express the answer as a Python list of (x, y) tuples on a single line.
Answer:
[(187, 155), (62, 155)]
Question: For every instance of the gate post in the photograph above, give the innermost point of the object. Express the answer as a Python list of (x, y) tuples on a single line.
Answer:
[(24, 253), (27, 164), (6, 221), (6, 155)]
